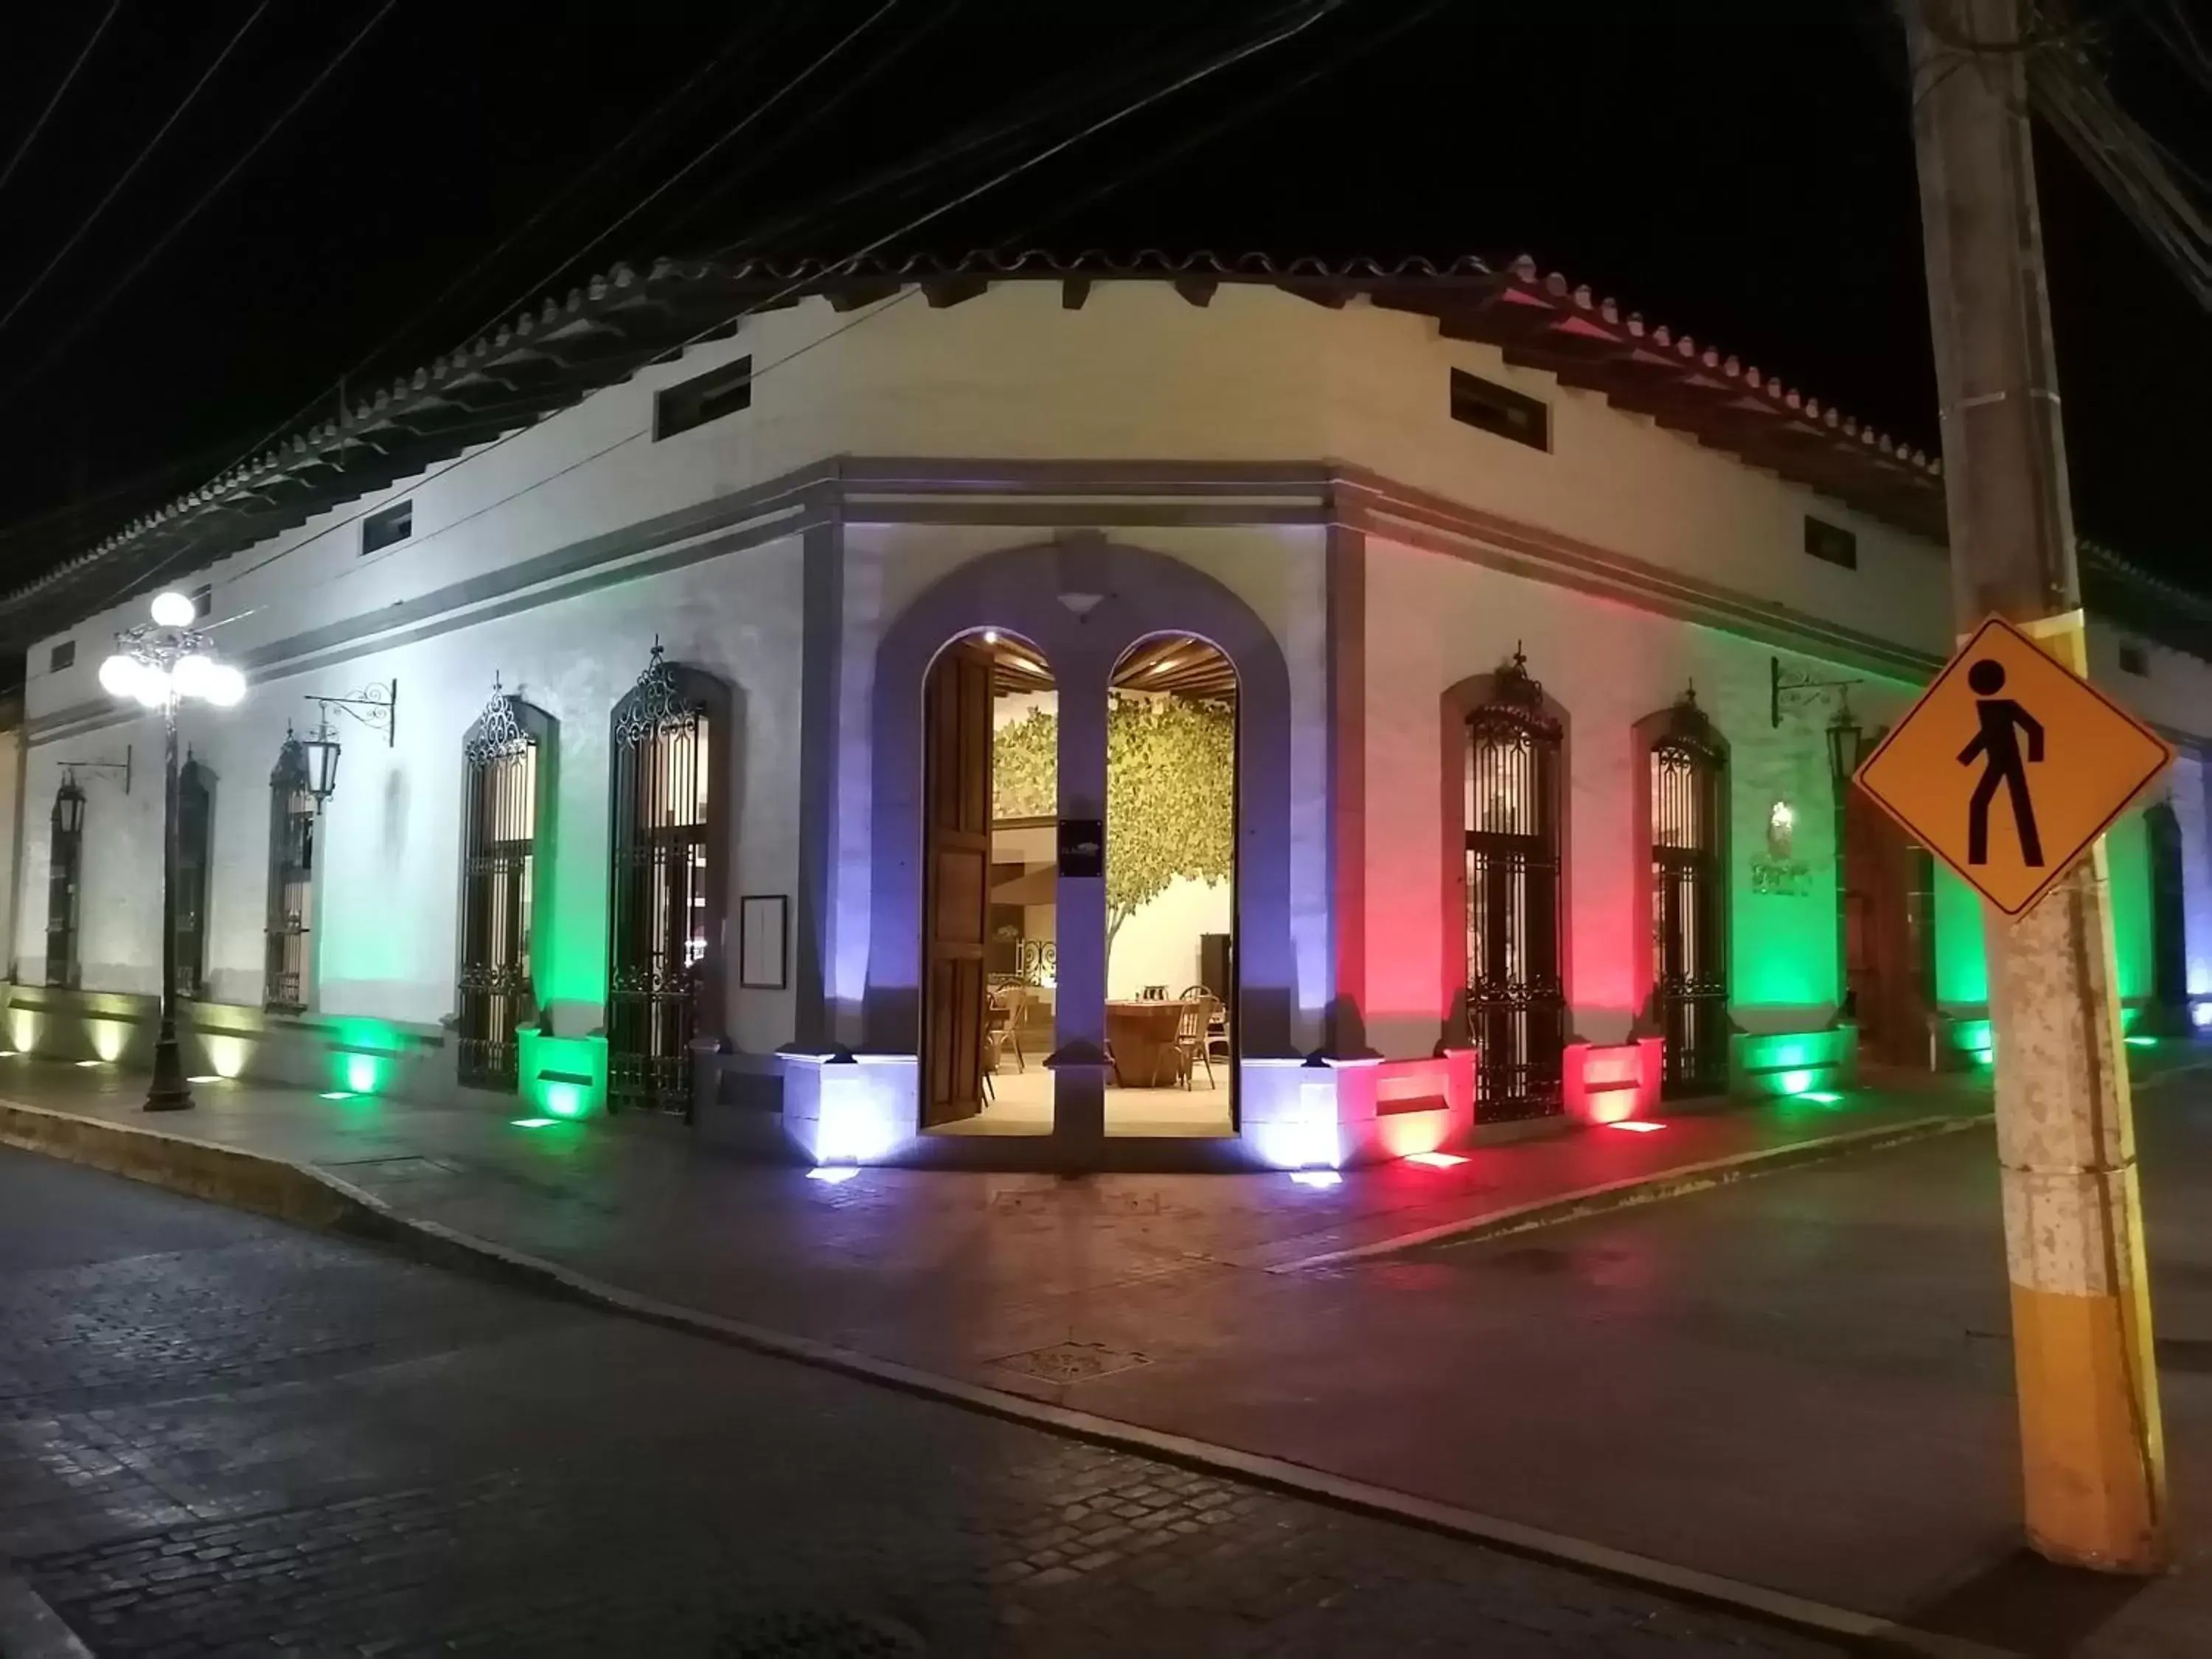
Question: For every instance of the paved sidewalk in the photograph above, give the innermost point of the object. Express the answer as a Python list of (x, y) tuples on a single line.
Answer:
[(1240, 1310)]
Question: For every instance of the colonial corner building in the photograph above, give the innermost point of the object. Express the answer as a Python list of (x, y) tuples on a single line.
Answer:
[(1164, 714)]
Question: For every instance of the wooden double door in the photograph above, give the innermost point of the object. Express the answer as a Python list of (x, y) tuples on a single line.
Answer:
[(956, 883)]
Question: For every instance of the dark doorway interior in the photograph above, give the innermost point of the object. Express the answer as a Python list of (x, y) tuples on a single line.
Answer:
[(1888, 921), (2169, 924)]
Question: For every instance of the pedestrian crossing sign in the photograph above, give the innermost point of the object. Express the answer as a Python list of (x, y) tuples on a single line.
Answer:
[(2011, 766)]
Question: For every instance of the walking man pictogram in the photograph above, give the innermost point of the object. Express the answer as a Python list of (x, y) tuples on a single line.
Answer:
[(1997, 746)]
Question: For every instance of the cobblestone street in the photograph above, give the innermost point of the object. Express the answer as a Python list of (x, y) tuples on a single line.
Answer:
[(220, 1436)]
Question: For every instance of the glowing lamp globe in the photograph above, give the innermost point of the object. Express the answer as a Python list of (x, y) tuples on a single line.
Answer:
[(152, 685), (173, 610), (222, 685), (191, 674), (118, 676)]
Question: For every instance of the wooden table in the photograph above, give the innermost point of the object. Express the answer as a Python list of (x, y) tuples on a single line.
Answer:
[(1143, 1037)]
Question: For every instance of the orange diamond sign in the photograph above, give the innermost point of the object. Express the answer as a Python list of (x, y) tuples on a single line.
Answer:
[(2011, 766)]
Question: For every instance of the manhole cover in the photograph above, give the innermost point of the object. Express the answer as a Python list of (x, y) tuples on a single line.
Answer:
[(798, 1635), (1071, 1362)]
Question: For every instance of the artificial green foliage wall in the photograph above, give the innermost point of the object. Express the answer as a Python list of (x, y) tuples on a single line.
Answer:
[(1170, 792)]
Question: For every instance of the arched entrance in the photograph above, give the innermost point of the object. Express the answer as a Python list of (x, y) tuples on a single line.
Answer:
[(1086, 617)]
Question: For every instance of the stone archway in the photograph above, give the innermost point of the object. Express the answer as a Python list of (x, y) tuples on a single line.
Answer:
[(1083, 604)]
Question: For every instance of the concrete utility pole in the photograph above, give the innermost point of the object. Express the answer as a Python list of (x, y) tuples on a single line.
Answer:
[(2091, 1441)]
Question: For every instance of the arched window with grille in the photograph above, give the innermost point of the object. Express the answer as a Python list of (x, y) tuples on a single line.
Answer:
[(285, 982), (1517, 992), (507, 786), (667, 897), (195, 827), (1688, 785), (65, 883)]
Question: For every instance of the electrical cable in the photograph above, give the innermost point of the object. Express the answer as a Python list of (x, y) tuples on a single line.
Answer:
[(53, 103), (2128, 164), (980, 140), (1004, 130), (1305, 17), (73, 334), (749, 31), (713, 148), (1244, 111), (755, 160), (139, 160)]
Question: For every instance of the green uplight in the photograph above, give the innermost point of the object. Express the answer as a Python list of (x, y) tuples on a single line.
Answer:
[(533, 1122), (2141, 1041), (566, 1100), (338, 1094), (1799, 1083), (1824, 1097)]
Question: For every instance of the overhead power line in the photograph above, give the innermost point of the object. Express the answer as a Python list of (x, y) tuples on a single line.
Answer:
[(741, 36), (728, 135), (1293, 22), (818, 111), (137, 161), (2149, 184), (70, 336), (54, 102)]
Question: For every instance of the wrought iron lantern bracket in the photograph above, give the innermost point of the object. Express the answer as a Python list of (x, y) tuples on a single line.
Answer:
[(375, 706), (1782, 686), (70, 768)]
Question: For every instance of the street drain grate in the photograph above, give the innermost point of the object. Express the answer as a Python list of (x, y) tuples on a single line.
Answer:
[(1071, 1362), (787, 1634)]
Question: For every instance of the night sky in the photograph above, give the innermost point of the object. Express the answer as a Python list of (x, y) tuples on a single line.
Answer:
[(1738, 169)]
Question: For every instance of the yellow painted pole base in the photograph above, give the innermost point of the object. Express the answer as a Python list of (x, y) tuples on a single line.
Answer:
[(2091, 1450)]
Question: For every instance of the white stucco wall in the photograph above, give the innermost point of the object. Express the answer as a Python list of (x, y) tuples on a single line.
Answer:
[(1158, 944), (386, 937), (1136, 374), (1435, 620)]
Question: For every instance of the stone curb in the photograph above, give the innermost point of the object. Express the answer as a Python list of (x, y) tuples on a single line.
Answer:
[(1672, 1182), (29, 1628), (307, 1196)]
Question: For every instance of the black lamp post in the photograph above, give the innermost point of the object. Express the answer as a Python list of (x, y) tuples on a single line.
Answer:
[(157, 664)]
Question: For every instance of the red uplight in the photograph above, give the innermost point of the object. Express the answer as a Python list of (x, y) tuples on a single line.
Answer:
[(1642, 1126)]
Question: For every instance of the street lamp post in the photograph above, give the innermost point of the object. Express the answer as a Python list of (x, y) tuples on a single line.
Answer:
[(158, 664)]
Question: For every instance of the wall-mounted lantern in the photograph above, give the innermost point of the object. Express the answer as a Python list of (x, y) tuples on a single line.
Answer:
[(376, 707)]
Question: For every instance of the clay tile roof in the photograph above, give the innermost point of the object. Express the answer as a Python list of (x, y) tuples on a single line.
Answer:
[(607, 328)]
